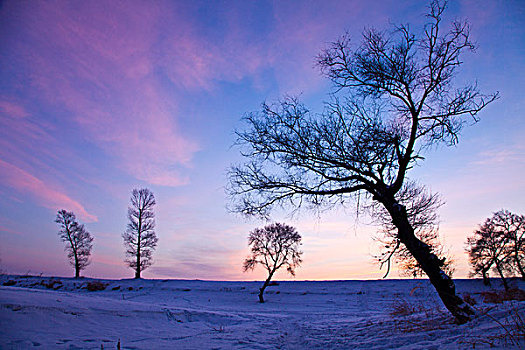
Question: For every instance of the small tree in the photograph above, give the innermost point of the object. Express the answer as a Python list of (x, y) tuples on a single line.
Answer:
[(140, 238), (512, 226), (274, 246), (78, 240), (480, 267), (488, 248), (499, 244)]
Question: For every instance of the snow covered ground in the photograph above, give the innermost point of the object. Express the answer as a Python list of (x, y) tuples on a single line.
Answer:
[(61, 313)]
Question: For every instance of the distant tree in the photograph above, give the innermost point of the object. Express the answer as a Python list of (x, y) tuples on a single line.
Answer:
[(488, 248), (395, 99), (512, 226), (274, 246), (480, 266), (140, 238), (498, 244), (79, 241)]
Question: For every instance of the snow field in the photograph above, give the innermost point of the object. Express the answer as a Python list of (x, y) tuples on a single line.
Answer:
[(61, 313)]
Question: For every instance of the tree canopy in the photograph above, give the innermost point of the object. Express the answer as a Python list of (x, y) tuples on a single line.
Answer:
[(79, 241), (274, 246), (140, 238)]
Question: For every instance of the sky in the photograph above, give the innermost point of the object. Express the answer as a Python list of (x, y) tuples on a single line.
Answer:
[(100, 97)]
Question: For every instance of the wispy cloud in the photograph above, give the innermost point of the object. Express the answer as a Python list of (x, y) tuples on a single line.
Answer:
[(499, 157), (10, 231), (96, 60), (17, 127), (118, 71), (42, 193), (13, 110)]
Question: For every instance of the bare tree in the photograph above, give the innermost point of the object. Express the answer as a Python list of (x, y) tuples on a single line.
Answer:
[(394, 100), (480, 267), (488, 248), (512, 226), (140, 238), (499, 244), (79, 241), (274, 246)]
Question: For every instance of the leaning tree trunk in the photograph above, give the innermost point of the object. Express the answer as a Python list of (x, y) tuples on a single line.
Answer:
[(266, 283), (429, 263)]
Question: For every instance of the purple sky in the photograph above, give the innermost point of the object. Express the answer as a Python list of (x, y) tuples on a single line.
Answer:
[(100, 97)]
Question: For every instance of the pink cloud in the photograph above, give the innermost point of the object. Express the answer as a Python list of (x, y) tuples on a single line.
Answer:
[(10, 231), (41, 192), (196, 62), (15, 119), (106, 64), (95, 59), (28, 142), (12, 110)]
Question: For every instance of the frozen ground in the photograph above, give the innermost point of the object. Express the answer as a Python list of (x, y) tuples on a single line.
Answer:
[(60, 313)]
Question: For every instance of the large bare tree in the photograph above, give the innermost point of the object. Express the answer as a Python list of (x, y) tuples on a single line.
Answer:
[(78, 240), (273, 246), (395, 98), (140, 238)]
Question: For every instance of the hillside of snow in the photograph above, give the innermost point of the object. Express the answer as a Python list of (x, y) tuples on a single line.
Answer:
[(64, 313)]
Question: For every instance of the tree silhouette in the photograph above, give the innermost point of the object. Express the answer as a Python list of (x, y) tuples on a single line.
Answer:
[(394, 99), (512, 226), (79, 241), (274, 246), (140, 238), (488, 248), (498, 244)]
